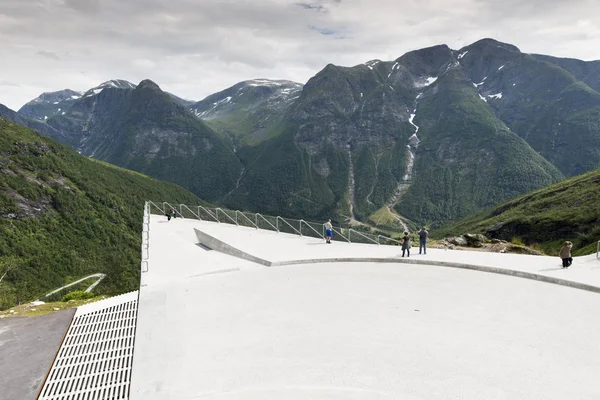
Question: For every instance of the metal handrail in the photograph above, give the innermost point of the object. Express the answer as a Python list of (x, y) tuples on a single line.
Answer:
[(333, 229), (216, 218), (266, 220), (193, 213), (227, 215), (388, 238), (244, 215), (314, 230), (149, 203), (287, 223), (361, 234), (598, 250)]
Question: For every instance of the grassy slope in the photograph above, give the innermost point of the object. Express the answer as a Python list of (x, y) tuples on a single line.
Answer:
[(568, 210), (468, 160), (63, 216)]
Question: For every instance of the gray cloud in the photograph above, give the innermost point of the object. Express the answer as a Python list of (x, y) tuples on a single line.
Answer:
[(312, 7), (194, 48), (48, 54), (86, 6)]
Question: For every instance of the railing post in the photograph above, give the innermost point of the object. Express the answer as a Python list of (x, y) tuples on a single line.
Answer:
[(300, 226)]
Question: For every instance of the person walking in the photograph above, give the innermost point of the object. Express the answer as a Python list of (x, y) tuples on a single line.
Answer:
[(565, 254), (169, 214), (406, 244), (174, 213), (328, 231), (423, 234)]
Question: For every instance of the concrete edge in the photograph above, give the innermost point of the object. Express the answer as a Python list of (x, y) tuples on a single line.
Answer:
[(448, 264), (223, 247)]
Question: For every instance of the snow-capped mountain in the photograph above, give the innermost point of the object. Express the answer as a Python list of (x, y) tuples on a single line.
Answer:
[(248, 109), (114, 83), (49, 104)]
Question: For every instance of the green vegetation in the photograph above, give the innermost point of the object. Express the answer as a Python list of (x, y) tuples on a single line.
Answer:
[(468, 159), (78, 295), (543, 219), (28, 310), (63, 216)]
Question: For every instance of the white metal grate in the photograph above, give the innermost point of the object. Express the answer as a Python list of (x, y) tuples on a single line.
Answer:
[(94, 361)]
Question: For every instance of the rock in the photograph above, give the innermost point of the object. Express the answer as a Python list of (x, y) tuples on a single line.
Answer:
[(458, 241), (11, 311), (33, 309), (475, 239), (497, 241), (37, 303), (56, 309)]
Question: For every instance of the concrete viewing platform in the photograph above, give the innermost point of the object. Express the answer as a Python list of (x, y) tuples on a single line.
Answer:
[(239, 313)]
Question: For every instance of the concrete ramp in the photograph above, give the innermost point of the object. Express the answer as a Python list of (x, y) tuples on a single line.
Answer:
[(213, 243)]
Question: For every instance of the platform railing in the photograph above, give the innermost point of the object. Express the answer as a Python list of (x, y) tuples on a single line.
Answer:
[(598, 250), (298, 227)]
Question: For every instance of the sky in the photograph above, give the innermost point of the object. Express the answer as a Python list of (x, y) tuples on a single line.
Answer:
[(193, 48)]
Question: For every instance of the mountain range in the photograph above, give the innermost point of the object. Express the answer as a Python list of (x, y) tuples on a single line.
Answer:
[(429, 137)]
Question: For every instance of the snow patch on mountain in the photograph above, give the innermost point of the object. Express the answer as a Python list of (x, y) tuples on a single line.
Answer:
[(496, 96), (461, 55), (426, 82)]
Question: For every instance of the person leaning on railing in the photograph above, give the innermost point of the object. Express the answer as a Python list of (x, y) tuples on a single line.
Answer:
[(328, 231)]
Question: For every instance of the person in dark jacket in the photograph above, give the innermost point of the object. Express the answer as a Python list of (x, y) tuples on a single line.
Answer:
[(406, 244), (565, 254), (423, 234), (169, 214)]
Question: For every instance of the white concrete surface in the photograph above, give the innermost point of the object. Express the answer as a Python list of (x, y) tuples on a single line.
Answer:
[(212, 326)]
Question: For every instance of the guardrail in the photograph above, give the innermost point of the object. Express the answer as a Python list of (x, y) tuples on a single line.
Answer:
[(298, 227)]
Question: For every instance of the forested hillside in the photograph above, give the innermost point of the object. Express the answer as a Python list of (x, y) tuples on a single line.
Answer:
[(568, 210), (64, 216)]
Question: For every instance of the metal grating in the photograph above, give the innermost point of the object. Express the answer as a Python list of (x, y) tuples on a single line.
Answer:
[(94, 361)]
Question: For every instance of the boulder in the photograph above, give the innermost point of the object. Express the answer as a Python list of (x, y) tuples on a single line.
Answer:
[(475, 239), (458, 241)]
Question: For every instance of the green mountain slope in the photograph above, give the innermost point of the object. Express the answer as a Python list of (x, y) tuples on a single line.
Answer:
[(467, 159), (250, 111), (545, 100), (412, 135), (568, 210), (63, 216), (145, 130)]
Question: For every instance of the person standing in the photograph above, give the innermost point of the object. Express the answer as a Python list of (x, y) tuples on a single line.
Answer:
[(423, 234), (328, 231), (169, 214), (565, 254), (406, 244)]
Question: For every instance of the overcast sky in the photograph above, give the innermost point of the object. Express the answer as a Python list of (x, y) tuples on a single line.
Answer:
[(193, 48)]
